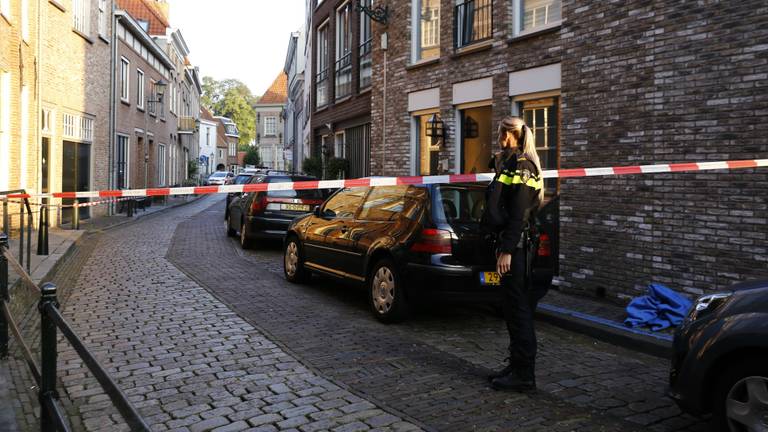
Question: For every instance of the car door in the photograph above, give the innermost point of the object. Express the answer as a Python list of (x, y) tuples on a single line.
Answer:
[(378, 224), (326, 237)]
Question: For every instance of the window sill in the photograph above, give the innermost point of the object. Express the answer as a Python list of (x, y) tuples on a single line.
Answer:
[(422, 63), (322, 108), (83, 35), (344, 99), (365, 90), (104, 39), (473, 48), (549, 28), (58, 5), (138, 108), (125, 102)]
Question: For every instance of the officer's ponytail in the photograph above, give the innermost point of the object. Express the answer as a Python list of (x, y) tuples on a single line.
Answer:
[(525, 142)]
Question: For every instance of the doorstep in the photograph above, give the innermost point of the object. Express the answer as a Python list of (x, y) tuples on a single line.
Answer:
[(601, 320)]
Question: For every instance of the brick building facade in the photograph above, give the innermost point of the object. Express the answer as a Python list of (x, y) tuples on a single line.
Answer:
[(341, 83), (145, 144), (601, 84)]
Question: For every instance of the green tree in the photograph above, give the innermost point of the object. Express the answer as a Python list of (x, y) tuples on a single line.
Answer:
[(232, 98), (252, 156)]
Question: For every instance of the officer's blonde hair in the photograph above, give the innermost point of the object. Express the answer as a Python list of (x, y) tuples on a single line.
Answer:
[(524, 138)]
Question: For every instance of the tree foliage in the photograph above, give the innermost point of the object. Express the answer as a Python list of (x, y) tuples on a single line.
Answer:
[(232, 98), (252, 156)]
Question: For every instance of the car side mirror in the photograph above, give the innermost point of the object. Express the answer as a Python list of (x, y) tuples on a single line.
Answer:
[(317, 211)]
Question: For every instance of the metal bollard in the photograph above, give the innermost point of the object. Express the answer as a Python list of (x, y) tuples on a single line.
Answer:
[(4, 296), (5, 216), (21, 235), (130, 207), (76, 217), (42, 232), (30, 222), (47, 354)]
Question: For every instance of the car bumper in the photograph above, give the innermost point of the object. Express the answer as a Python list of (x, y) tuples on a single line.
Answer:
[(454, 283), (267, 227)]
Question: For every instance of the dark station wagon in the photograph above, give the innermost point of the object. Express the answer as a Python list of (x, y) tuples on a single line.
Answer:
[(403, 243)]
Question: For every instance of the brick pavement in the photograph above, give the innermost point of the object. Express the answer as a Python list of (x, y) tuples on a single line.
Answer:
[(185, 359), (432, 367)]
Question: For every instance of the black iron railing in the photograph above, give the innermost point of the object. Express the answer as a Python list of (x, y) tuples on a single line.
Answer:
[(472, 22), (52, 417), (344, 76)]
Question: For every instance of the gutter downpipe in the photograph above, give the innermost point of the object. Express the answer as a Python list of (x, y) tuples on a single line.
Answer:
[(112, 107)]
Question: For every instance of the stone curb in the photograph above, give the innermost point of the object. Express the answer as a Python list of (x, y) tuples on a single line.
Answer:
[(658, 345)]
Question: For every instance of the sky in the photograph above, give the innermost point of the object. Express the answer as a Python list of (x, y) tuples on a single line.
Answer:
[(241, 39)]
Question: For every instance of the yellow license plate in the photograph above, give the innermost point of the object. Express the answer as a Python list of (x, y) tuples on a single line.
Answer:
[(296, 207), (490, 278)]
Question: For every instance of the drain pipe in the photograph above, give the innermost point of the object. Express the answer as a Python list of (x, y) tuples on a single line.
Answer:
[(384, 43), (112, 107)]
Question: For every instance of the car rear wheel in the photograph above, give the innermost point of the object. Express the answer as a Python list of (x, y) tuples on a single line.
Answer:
[(245, 243), (230, 232), (386, 293), (293, 262), (741, 397)]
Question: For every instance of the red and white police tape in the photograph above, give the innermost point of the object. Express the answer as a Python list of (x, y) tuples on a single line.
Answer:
[(414, 180), (75, 205)]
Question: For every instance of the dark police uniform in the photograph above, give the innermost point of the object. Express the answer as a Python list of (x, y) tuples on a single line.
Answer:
[(520, 183)]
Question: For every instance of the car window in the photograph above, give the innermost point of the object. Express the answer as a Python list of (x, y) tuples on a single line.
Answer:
[(218, 174), (461, 203), (384, 203), (344, 203), (309, 194), (242, 179)]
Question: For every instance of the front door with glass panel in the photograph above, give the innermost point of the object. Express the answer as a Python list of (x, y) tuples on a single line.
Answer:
[(476, 139)]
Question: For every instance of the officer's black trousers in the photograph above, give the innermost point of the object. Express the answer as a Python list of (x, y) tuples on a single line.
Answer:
[(519, 306)]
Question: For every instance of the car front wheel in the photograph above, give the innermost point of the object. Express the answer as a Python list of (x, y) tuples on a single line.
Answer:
[(741, 397), (293, 262), (386, 293)]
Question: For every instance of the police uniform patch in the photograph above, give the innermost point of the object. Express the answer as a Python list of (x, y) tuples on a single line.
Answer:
[(525, 175)]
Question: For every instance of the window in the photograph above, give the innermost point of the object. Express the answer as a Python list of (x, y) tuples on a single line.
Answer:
[(124, 77), (232, 149), (161, 165), (366, 45), (338, 145), (152, 105), (428, 148), (321, 79), (343, 51), (384, 203), (77, 127), (532, 15), (46, 124), (139, 89), (541, 116), (25, 20), (81, 16), (473, 22), (103, 17), (121, 162), (270, 126), (344, 204), (426, 29)]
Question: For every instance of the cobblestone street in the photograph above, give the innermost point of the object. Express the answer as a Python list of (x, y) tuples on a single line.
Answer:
[(204, 336)]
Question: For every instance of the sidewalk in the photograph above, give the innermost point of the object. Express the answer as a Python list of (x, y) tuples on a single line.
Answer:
[(601, 320), (61, 242)]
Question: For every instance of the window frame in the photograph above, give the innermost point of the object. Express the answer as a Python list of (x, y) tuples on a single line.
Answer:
[(270, 121), (518, 109), (365, 48), (161, 164), (125, 80), (127, 163), (103, 18), (416, 32), (518, 15), (81, 16), (140, 89), (322, 60)]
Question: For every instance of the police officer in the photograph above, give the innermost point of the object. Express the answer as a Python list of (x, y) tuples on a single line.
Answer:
[(514, 196)]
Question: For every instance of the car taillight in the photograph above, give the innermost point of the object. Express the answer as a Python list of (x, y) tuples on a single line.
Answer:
[(434, 241), (259, 204), (545, 248)]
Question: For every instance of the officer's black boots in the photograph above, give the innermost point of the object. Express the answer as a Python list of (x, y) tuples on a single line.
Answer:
[(508, 369), (520, 379)]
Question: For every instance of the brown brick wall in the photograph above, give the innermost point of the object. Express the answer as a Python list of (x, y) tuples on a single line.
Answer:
[(641, 83)]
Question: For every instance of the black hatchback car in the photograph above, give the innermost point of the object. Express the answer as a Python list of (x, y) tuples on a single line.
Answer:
[(720, 362), (267, 214), (403, 243)]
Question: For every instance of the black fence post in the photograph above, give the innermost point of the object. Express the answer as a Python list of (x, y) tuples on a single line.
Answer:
[(42, 232), (130, 207), (4, 296), (76, 216), (30, 222), (47, 355), (5, 216), (21, 235)]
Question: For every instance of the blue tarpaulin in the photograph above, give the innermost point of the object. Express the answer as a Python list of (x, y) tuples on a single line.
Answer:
[(662, 307)]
